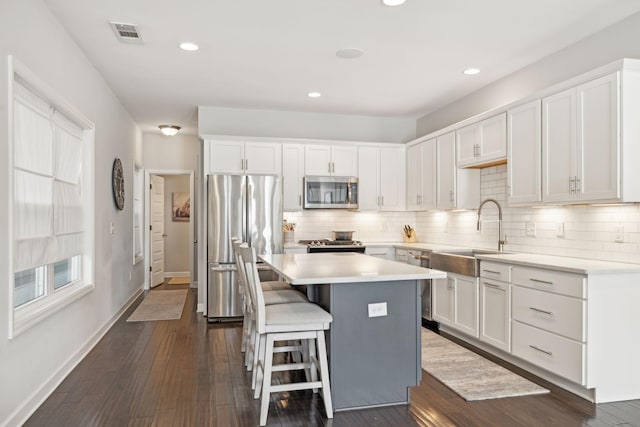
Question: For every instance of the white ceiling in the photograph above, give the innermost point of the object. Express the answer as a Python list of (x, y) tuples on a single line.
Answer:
[(269, 54)]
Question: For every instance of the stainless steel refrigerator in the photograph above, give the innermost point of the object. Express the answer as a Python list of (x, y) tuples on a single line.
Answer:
[(244, 206)]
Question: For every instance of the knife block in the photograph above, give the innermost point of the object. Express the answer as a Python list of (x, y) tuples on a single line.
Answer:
[(412, 238)]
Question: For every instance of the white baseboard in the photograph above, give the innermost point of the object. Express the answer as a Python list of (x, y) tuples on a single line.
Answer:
[(37, 398), (193, 284), (200, 308)]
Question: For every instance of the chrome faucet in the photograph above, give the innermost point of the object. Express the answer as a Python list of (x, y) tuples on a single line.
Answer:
[(501, 242)]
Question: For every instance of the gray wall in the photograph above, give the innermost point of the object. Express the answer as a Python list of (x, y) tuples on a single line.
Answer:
[(617, 41), (34, 362), (293, 124), (176, 244)]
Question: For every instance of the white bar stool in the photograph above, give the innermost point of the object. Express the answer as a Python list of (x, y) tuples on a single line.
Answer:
[(288, 322)]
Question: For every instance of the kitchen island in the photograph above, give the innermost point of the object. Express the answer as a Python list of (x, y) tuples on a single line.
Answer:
[(374, 344)]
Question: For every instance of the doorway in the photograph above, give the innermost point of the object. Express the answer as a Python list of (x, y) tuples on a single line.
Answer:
[(169, 234)]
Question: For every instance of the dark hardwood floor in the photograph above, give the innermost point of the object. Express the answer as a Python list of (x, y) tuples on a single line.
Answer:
[(189, 373)]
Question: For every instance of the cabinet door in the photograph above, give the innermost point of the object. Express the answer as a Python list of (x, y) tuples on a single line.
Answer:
[(493, 139), (414, 176), (369, 179), (467, 144), (392, 179), (598, 175), (344, 160), (263, 158), (317, 160), (524, 182), (226, 157), (495, 325), (466, 305), (446, 150), (443, 291), (429, 175), (558, 147), (292, 174)]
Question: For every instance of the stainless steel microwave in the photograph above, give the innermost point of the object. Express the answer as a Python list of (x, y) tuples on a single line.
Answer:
[(330, 192)]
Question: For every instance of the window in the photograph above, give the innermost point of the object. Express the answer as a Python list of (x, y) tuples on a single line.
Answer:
[(138, 211), (52, 247)]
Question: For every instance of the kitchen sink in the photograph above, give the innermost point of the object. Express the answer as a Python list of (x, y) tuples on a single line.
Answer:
[(464, 261)]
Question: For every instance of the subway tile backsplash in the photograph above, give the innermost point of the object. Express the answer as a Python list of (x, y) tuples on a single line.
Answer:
[(610, 233)]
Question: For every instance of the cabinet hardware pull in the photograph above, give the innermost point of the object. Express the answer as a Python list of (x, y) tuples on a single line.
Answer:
[(572, 185), (578, 185), (246, 164), (541, 350), (491, 285), (491, 271), (299, 199), (329, 164), (550, 313), (545, 282), (333, 167), (382, 200)]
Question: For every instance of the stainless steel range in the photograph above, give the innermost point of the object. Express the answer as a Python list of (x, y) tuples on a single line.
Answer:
[(327, 245)]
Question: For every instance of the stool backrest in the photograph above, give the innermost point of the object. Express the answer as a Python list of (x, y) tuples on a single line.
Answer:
[(242, 274), (248, 256)]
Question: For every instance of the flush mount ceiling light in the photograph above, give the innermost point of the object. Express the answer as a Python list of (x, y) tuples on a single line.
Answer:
[(188, 46), (471, 71), (393, 2), (169, 130), (350, 53), (314, 94)]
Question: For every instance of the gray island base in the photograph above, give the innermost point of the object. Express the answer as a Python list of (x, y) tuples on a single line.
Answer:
[(374, 351)]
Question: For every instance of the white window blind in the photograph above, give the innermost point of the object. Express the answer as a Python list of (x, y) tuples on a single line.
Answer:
[(48, 212)]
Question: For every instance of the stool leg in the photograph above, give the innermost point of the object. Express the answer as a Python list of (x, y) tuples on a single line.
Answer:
[(251, 339), (266, 382), (314, 367), (245, 332), (258, 365), (324, 373)]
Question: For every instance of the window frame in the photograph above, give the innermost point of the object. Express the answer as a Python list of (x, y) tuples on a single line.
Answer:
[(30, 313)]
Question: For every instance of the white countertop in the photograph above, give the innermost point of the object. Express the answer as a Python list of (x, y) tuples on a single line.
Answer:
[(571, 265), (343, 267)]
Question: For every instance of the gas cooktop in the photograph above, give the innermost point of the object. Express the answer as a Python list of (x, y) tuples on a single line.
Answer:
[(329, 242)]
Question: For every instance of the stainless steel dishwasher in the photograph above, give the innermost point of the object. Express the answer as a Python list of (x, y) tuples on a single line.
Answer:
[(422, 259)]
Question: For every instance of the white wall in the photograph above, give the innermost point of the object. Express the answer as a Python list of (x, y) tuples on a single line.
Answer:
[(617, 41), (293, 124), (34, 362), (176, 244)]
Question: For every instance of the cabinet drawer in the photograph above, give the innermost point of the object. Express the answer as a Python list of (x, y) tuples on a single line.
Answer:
[(402, 255), (495, 271), (378, 251), (557, 282), (554, 353), (554, 313)]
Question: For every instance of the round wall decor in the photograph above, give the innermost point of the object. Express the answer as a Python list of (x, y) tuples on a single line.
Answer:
[(117, 183)]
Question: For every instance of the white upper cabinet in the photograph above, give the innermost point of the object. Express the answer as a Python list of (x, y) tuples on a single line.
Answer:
[(456, 188), (292, 174), (581, 143), (524, 161), (421, 176), (483, 143), (381, 178), (245, 157), (331, 160)]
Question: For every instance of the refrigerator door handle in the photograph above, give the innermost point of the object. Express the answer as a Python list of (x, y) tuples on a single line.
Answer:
[(224, 268)]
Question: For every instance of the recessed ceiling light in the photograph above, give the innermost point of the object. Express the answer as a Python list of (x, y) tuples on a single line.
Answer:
[(471, 71), (191, 47), (350, 53), (169, 130), (393, 2), (314, 94)]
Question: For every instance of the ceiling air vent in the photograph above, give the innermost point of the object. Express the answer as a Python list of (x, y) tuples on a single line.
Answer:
[(127, 33)]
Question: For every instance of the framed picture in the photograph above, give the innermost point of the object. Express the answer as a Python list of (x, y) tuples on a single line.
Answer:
[(180, 206)]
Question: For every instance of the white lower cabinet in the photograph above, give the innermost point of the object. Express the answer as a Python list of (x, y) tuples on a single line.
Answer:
[(455, 302), (495, 313), (387, 252)]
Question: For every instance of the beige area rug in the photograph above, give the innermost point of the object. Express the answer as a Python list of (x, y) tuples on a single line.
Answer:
[(470, 375), (160, 305), (179, 281)]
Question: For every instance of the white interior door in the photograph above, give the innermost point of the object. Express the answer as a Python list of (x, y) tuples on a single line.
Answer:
[(157, 230)]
